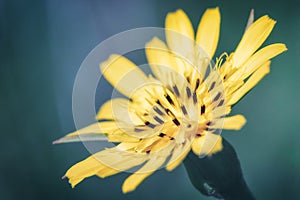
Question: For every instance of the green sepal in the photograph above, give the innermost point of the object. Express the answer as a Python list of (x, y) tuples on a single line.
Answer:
[(218, 175)]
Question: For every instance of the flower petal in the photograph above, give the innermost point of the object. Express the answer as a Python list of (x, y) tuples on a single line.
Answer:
[(135, 179), (108, 130), (104, 163), (83, 169), (159, 57), (235, 122), (82, 138), (220, 111), (123, 74), (179, 33), (253, 38), (106, 110), (105, 172), (197, 145), (257, 60), (119, 109), (209, 30), (207, 144), (119, 161), (178, 155), (251, 82), (250, 19), (93, 132), (156, 160)]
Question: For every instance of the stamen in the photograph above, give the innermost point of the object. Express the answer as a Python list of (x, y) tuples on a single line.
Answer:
[(158, 120), (220, 60), (175, 88), (188, 92), (176, 122), (169, 99), (148, 151), (157, 110), (162, 135), (188, 79), (149, 124), (195, 98), (184, 110), (168, 112), (198, 135), (197, 84), (209, 123), (217, 96), (149, 102), (212, 86), (202, 109), (214, 131), (210, 130), (138, 130), (221, 103), (158, 102)]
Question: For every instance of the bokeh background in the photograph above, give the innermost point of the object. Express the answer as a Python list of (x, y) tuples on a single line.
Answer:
[(42, 45)]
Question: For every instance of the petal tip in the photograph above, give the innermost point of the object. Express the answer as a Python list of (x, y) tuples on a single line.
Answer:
[(284, 48), (216, 149), (58, 141), (170, 167), (269, 19), (215, 9), (126, 188), (179, 11), (111, 58), (244, 120), (153, 43)]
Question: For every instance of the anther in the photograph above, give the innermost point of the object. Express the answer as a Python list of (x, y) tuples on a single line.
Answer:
[(197, 84), (149, 124), (162, 135), (138, 130), (176, 122), (157, 110), (195, 98), (158, 120), (188, 79), (188, 92), (217, 96), (169, 99), (221, 103), (176, 91), (202, 109), (184, 110), (212, 86), (209, 123)]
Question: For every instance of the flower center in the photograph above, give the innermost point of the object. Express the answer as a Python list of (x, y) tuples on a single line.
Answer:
[(170, 111)]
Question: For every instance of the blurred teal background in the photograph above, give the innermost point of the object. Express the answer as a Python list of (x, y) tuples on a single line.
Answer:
[(42, 45)]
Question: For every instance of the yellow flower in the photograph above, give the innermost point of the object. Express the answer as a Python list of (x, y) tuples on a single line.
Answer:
[(182, 107)]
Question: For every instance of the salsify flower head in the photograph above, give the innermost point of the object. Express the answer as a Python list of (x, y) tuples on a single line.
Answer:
[(183, 107)]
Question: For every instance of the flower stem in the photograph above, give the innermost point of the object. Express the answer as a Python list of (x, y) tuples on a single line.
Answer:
[(218, 175)]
